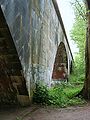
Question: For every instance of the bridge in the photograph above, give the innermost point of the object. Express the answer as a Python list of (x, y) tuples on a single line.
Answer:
[(33, 47)]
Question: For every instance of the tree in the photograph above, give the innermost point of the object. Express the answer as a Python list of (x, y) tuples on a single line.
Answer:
[(86, 89), (78, 34)]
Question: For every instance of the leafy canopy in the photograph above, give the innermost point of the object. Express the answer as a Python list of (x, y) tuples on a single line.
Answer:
[(78, 34)]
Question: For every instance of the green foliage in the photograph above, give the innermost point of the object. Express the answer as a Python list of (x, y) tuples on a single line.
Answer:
[(78, 32), (76, 101), (58, 97), (41, 94), (79, 9), (61, 95), (78, 35), (78, 74), (72, 90)]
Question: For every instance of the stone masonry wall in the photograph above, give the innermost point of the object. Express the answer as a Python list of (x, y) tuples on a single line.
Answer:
[(37, 33)]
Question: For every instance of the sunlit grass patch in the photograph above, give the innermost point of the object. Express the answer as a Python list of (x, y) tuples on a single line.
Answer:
[(62, 95), (72, 90)]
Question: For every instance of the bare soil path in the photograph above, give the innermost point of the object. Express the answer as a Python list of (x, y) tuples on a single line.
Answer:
[(46, 113)]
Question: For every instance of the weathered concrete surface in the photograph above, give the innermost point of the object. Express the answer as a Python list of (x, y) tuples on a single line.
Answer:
[(37, 31)]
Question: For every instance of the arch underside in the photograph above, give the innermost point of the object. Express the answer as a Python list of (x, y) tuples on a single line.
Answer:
[(12, 82), (60, 64)]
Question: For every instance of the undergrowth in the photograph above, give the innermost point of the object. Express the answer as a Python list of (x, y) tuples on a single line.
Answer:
[(62, 95), (41, 94)]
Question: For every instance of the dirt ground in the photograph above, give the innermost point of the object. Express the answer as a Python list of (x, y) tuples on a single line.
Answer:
[(46, 113)]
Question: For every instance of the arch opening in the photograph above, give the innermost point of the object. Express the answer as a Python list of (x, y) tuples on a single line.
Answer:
[(60, 69)]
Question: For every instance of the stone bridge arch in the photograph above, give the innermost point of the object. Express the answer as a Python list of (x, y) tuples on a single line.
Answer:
[(35, 30), (61, 60)]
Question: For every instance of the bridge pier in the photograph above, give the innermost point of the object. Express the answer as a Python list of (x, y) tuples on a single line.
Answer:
[(32, 32)]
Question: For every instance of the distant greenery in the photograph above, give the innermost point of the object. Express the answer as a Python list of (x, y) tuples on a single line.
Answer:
[(78, 35), (62, 95), (78, 73)]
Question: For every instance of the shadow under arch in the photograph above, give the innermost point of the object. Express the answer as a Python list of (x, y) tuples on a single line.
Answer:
[(12, 81), (60, 68)]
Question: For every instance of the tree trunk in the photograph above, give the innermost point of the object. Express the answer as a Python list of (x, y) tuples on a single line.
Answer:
[(86, 88)]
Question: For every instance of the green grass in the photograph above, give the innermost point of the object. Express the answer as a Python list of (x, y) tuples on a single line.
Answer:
[(72, 90), (62, 95)]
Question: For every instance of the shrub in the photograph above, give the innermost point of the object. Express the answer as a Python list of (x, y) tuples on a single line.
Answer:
[(41, 94), (58, 96)]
